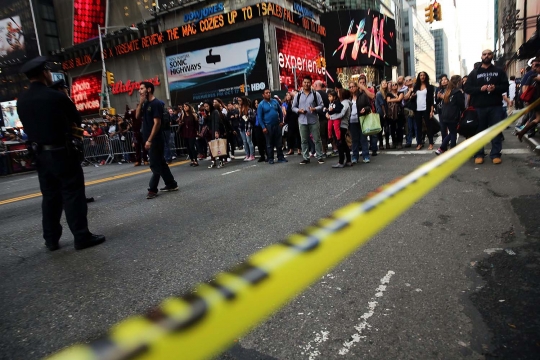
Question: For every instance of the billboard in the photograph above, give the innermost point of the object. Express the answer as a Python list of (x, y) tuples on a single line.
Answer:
[(359, 37), (10, 115), (85, 93), (87, 14), (220, 66), (17, 35), (297, 53)]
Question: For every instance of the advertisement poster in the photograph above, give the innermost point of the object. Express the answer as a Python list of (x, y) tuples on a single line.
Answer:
[(359, 37), (17, 35), (220, 66), (85, 93), (87, 14), (297, 53), (12, 44), (9, 114)]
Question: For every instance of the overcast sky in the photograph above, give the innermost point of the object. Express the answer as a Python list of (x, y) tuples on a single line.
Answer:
[(475, 19)]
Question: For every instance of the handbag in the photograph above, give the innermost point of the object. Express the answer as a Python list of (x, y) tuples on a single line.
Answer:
[(371, 124), (468, 123), (348, 139), (218, 147), (528, 95)]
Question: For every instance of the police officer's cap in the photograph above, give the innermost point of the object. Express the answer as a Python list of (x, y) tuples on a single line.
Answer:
[(35, 66), (59, 84)]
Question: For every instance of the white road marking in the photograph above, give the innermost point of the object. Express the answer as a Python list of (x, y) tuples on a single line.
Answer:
[(230, 172), (510, 252), (313, 350), (371, 310), (492, 250), (426, 152)]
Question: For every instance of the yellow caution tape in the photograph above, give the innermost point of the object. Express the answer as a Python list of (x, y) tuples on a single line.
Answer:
[(204, 322)]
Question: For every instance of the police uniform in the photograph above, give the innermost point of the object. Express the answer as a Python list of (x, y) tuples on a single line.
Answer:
[(47, 116)]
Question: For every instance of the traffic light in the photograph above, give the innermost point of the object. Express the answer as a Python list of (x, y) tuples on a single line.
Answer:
[(429, 14), (110, 78), (437, 11)]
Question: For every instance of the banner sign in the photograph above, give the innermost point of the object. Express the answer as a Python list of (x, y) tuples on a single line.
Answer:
[(359, 37), (85, 93), (203, 13), (131, 86), (218, 66), (212, 23), (297, 53)]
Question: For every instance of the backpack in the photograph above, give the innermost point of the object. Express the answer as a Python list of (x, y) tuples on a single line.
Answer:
[(297, 99), (468, 123)]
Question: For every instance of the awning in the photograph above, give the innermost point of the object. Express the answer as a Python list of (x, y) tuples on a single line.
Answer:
[(530, 48)]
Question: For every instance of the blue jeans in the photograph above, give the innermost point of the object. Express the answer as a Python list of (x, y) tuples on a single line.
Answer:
[(487, 117), (248, 143), (452, 134), (356, 134), (411, 126), (364, 143), (167, 145), (274, 139)]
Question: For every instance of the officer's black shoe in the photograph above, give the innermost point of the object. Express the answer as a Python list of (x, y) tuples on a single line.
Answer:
[(53, 247), (93, 240)]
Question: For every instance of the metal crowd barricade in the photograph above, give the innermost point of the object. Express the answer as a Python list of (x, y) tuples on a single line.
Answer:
[(97, 149), (178, 144), (122, 145)]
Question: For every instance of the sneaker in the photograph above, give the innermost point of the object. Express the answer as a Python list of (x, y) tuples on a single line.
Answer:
[(374, 153), (355, 161), (304, 162), (338, 166), (271, 162), (283, 160), (324, 156), (213, 164), (169, 188), (174, 157), (497, 161), (320, 161), (232, 157), (102, 162), (479, 160), (439, 151), (119, 163), (151, 195), (247, 158), (261, 159), (366, 161)]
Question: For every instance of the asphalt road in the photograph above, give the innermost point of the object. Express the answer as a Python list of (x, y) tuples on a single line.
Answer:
[(461, 267)]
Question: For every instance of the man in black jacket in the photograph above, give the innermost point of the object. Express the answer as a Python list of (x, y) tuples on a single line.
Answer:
[(48, 117), (486, 85)]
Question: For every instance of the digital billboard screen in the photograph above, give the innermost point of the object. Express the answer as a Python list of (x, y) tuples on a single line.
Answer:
[(298, 53), (359, 37), (85, 93), (87, 14), (220, 66), (9, 114), (17, 35)]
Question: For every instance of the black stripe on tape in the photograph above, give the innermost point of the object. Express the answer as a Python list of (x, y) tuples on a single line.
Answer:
[(226, 292), (250, 273)]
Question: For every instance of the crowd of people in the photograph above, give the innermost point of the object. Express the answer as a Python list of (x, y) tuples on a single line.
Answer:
[(317, 123)]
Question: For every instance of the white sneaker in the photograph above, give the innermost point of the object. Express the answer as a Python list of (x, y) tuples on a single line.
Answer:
[(246, 159), (229, 159), (174, 157)]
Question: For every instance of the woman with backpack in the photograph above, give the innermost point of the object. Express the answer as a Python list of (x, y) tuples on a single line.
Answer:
[(452, 106)]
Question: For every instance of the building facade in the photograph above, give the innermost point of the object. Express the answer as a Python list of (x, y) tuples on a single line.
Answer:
[(418, 45), (441, 53)]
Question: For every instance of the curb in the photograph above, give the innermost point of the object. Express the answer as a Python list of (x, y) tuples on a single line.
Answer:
[(533, 143)]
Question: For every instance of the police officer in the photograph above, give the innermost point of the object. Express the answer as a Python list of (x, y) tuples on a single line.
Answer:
[(61, 85), (47, 116)]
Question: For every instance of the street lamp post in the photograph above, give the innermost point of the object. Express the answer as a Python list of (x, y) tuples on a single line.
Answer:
[(103, 70)]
